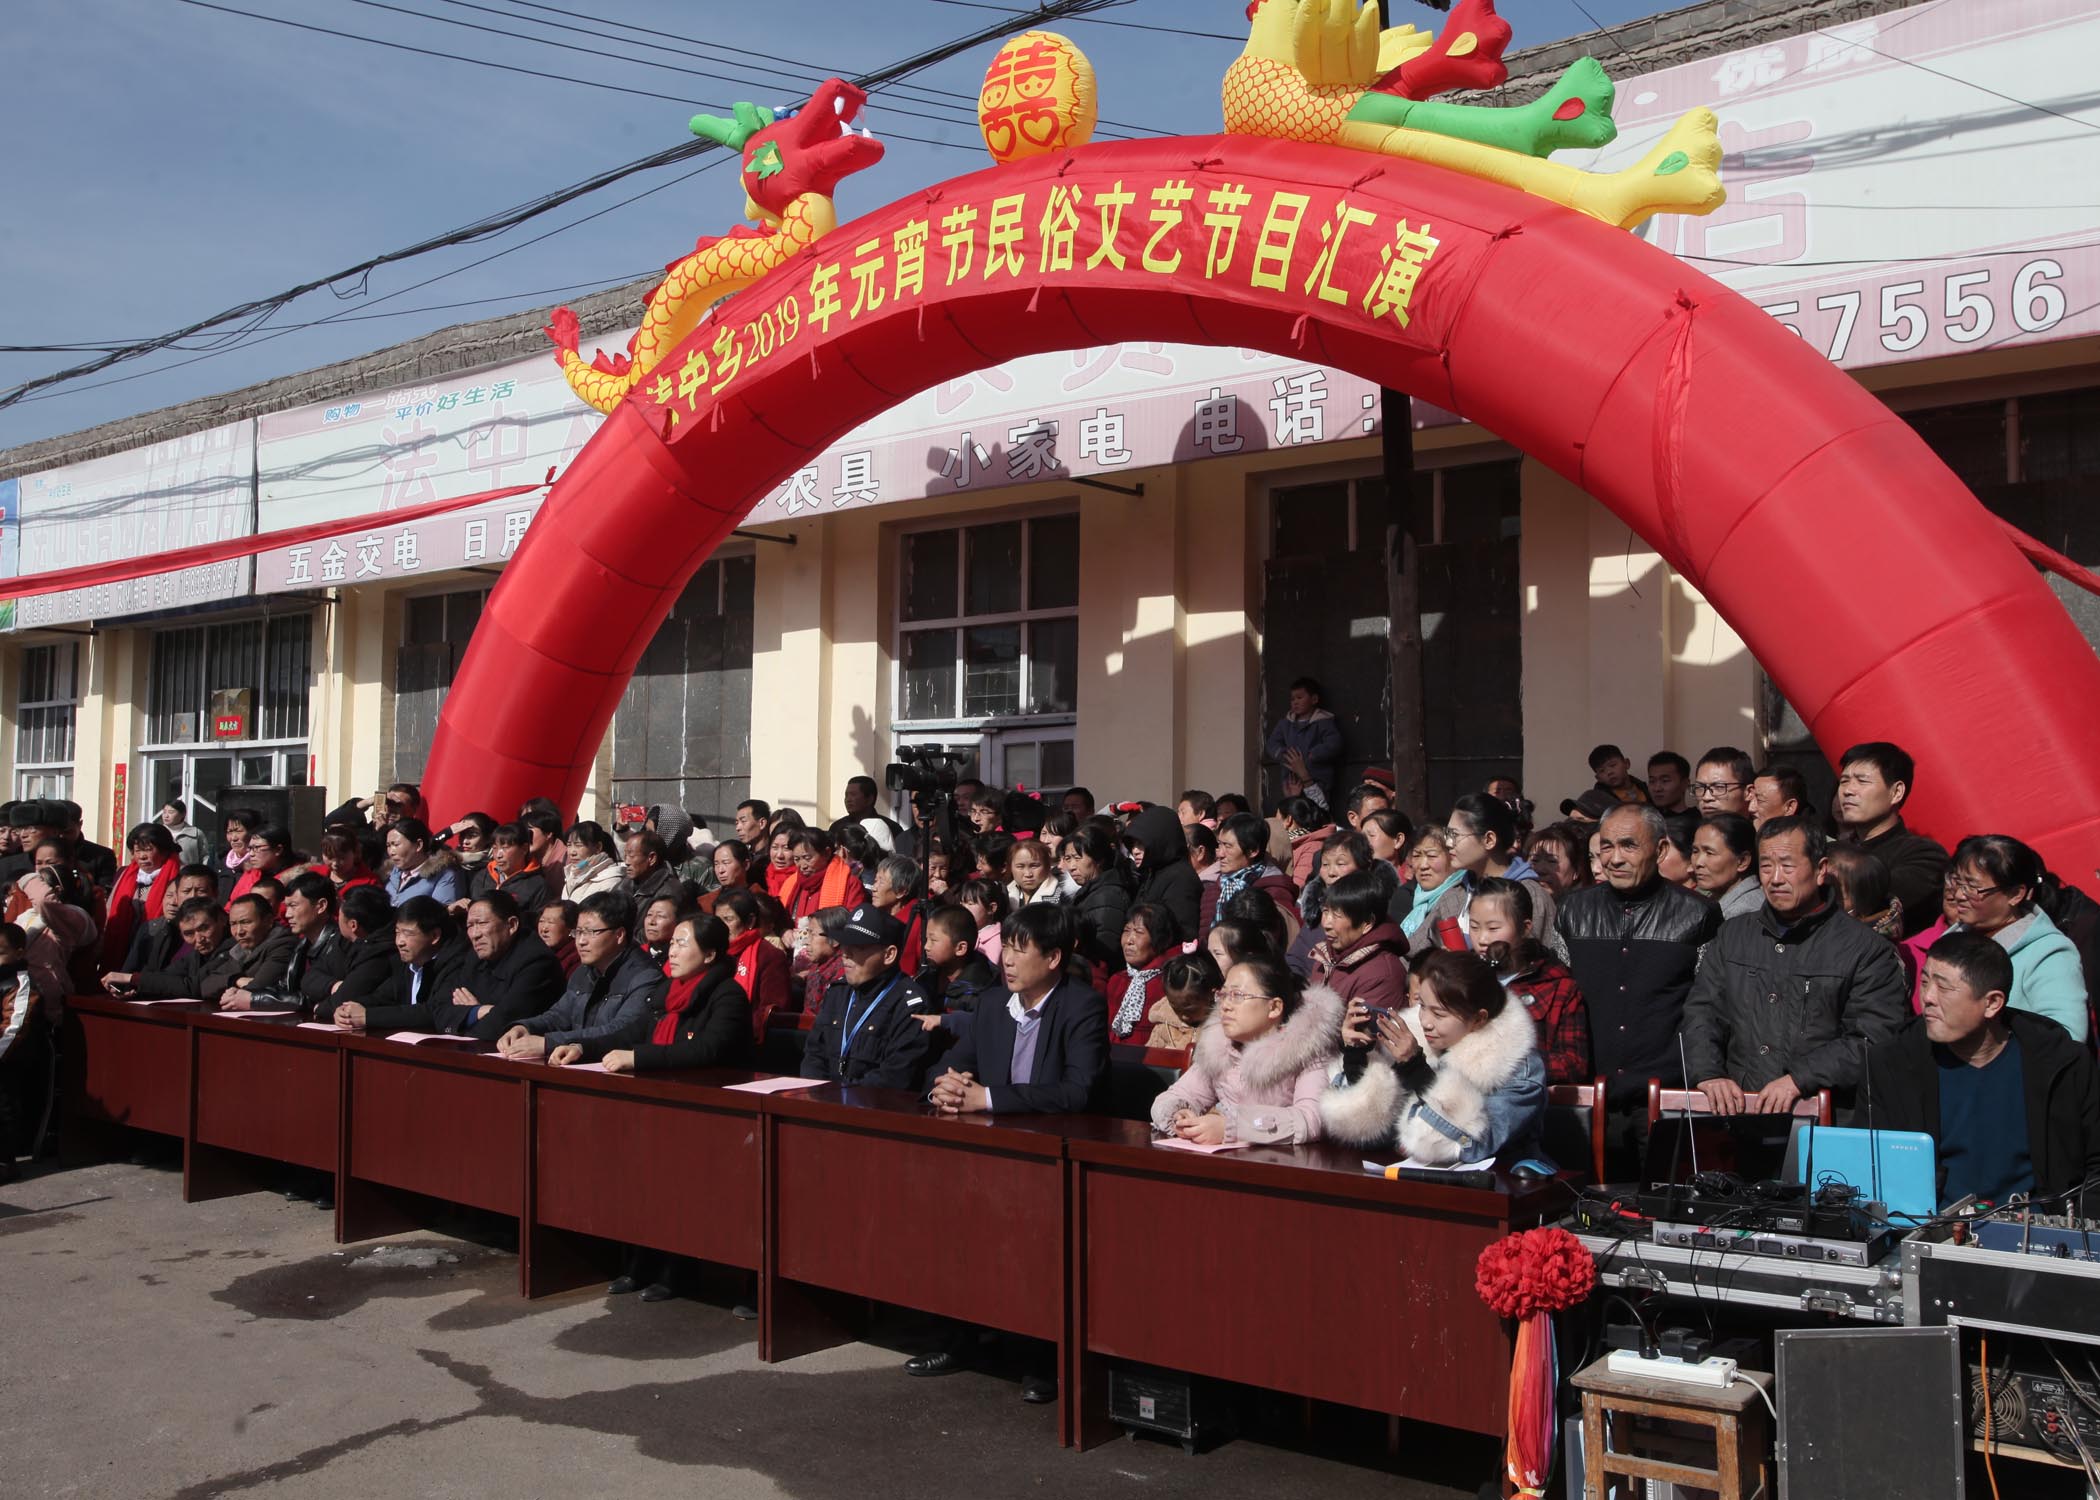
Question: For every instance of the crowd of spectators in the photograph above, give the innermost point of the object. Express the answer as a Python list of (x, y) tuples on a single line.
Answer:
[(1325, 966)]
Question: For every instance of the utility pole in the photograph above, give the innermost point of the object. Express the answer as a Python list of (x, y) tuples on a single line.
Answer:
[(1403, 587)]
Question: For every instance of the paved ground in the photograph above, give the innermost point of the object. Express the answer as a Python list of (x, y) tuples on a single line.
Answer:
[(157, 1349)]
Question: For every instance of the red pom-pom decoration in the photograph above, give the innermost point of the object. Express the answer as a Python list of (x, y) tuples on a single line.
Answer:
[(1537, 1270)]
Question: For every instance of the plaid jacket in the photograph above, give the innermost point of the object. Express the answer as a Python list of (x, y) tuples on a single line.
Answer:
[(1550, 994)]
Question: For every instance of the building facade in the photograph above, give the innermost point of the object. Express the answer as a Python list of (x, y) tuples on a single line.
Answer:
[(1104, 567)]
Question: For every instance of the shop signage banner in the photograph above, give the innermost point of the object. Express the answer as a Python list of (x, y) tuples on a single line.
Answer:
[(358, 460), (180, 493), (1091, 412), (1889, 196)]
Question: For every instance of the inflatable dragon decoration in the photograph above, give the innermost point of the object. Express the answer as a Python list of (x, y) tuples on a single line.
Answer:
[(791, 166), (1323, 71)]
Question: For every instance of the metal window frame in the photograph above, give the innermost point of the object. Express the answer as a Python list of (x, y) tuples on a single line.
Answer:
[(25, 764), (903, 730), (267, 641)]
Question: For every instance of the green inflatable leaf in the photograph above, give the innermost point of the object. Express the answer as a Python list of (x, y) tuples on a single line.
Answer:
[(1672, 164)]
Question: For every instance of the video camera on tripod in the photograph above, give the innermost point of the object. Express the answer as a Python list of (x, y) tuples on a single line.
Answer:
[(930, 774)]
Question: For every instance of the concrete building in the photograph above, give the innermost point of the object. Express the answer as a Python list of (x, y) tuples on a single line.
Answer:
[(1105, 567)]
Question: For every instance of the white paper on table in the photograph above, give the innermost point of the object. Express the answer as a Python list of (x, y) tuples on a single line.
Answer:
[(253, 1015), (1176, 1143), (596, 1067), (1380, 1167), (161, 1002), (414, 1038), (774, 1085), (318, 1026)]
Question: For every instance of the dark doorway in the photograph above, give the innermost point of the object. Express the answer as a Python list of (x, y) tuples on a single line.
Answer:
[(1325, 615)]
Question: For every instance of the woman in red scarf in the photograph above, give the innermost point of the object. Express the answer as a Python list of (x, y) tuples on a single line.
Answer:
[(703, 1021), (141, 889), (761, 968)]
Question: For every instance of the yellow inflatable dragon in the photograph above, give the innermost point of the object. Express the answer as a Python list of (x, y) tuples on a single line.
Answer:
[(790, 168), (1323, 70)]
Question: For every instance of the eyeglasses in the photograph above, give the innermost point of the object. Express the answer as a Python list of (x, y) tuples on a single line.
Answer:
[(1239, 997), (1969, 890), (592, 931), (1715, 788)]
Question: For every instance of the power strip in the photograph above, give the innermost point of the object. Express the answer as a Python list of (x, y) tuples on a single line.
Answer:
[(1711, 1371)]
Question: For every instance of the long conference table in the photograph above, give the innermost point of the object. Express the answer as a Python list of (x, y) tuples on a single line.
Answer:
[(1073, 1229)]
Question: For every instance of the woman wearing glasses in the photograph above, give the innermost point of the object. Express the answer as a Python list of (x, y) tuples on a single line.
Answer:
[(1261, 1061), (1994, 886)]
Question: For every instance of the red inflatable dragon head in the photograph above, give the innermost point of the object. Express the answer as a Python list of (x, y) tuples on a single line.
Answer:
[(807, 152)]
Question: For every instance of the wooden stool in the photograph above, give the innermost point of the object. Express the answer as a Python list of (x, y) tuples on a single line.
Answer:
[(1735, 1414)]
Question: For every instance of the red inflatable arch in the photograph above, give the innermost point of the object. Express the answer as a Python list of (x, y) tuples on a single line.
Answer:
[(1880, 595)]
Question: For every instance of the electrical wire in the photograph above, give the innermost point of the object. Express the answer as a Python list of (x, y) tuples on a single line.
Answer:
[(1984, 1359), (1758, 1386), (1222, 36), (263, 307), (91, 346), (952, 118), (479, 62)]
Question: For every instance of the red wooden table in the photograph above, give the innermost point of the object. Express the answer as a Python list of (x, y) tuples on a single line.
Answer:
[(130, 1065), (666, 1160), (260, 1087), (873, 1195), (1285, 1267)]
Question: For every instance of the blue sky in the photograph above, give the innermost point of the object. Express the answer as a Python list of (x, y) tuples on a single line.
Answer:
[(171, 160)]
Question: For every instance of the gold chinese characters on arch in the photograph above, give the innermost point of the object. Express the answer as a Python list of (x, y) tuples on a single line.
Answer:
[(1319, 251)]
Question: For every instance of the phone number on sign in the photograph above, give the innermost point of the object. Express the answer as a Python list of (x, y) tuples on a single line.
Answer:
[(1967, 308)]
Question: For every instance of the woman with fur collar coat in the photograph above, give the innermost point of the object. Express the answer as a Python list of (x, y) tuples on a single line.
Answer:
[(1260, 1063), (1458, 1078)]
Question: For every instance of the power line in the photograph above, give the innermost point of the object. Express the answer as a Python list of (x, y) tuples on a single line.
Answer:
[(1220, 36), (950, 118), (102, 345), (264, 307), (809, 72), (479, 62)]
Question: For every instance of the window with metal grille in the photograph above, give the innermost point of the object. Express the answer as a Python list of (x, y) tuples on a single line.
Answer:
[(198, 675), (45, 710), (435, 629)]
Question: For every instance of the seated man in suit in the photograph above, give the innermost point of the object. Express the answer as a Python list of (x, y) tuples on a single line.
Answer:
[(430, 961), (615, 982), (867, 1028), (256, 962), (322, 956), (1044, 1049), (201, 923)]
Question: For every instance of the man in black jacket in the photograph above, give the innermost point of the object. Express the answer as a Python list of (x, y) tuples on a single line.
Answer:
[(1044, 1050), (256, 961), (1874, 782), (2012, 1102), (499, 977), (1634, 945), (201, 922), (365, 921), (322, 957), (1160, 849), (615, 982), (1791, 995), (867, 1027), (430, 960)]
